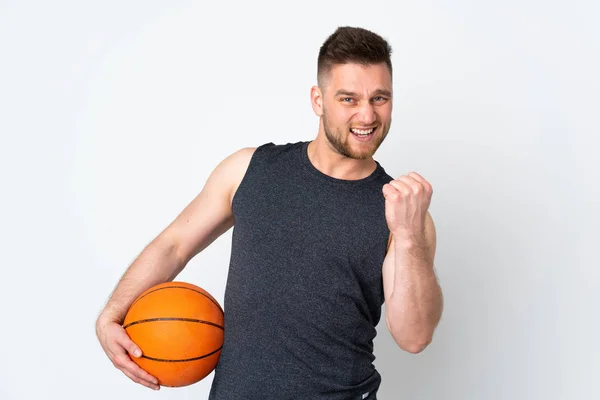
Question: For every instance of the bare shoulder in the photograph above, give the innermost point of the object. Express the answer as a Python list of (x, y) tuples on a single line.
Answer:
[(232, 170), (239, 159)]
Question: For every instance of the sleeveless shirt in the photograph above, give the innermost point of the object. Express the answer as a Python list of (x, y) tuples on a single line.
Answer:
[(304, 289)]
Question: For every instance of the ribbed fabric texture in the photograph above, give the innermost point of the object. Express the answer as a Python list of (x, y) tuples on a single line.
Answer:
[(304, 289)]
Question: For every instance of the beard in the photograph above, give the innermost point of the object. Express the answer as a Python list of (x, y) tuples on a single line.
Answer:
[(339, 137)]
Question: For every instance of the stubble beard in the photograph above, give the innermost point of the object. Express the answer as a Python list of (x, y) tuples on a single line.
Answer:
[(335, 137)]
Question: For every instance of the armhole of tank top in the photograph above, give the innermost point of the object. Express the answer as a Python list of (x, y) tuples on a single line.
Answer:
[(387, 178), (251, 165)]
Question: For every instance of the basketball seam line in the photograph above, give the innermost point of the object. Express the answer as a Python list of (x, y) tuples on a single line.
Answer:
[(182, 360), (142, 321), (181, 287)]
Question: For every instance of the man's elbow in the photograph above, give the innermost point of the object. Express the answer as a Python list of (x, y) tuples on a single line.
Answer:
[(413, 344), (414, 347)]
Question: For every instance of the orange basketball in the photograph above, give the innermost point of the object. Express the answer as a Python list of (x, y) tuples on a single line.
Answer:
[(179, 328)]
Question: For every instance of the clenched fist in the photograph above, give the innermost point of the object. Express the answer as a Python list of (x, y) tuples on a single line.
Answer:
[(407, 200)]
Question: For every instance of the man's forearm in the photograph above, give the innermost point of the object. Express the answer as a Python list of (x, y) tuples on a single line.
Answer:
[(158, 263), (416, 303)]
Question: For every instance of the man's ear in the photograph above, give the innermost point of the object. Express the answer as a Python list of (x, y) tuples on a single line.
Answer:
[(316, 99)]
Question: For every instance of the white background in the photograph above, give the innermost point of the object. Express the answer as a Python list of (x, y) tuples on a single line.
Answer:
[(113, 114)]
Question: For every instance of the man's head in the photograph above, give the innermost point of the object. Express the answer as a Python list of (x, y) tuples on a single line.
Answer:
[(354, 74)]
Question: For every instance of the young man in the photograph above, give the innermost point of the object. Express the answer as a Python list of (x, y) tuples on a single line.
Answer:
[(322, 237)]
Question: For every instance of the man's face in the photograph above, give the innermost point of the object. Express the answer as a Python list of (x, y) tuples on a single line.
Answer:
[(357, 108)]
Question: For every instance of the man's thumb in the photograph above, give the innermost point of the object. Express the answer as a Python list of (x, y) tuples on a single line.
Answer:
[(135, 351), (131, 347)]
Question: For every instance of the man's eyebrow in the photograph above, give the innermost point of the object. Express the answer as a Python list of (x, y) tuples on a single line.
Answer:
[(383, 92), (344, 92)]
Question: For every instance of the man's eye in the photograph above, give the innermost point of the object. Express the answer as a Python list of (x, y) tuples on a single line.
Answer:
[(347, 99)]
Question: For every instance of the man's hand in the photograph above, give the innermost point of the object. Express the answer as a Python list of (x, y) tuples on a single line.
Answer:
[(118, 347), (407, 200)]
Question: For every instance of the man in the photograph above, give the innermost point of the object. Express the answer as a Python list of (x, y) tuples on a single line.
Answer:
[(322, 237)]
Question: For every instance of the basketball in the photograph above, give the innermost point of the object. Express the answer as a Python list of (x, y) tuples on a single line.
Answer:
[(179, 327)]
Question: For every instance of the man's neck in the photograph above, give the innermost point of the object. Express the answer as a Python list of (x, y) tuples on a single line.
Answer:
[(324, 158)]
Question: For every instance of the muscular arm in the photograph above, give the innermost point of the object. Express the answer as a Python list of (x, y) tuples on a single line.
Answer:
[(205, 218), (412, 294)]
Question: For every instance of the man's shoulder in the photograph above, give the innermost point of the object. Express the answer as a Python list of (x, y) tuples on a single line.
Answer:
[(237, 163), (230, 171), (279, 148), (246, 153), (270, 153)]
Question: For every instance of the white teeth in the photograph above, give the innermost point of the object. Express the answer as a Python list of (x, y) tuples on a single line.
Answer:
[(362, 132)]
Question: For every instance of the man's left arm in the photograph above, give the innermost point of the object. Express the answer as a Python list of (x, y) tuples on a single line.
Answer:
[(413, 296)]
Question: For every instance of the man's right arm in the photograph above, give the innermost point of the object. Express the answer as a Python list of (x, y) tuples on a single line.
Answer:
[(202, 221)]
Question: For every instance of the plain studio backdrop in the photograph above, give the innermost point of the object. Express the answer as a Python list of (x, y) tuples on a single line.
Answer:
[(113, 114)]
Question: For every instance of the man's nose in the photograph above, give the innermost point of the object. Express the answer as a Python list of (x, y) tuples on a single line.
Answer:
[(366, 114)]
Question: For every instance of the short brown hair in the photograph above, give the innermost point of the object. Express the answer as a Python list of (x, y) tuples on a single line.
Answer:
[(352, 45)]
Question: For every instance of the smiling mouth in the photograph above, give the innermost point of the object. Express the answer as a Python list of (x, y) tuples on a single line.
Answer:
[(363, 132)]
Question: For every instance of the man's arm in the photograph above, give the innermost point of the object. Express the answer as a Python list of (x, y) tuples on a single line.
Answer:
[(412, 295), (205, 218)]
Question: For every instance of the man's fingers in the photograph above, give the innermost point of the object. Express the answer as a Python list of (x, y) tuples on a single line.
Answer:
[(426, 185), (391, 193), (143, 382), (121, 350), (134, 369), (396, 189), (141, 373), (125, 341), (414, 185), (124, 363)]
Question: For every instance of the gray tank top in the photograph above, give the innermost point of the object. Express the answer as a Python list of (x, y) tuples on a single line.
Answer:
[(304, 289)]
